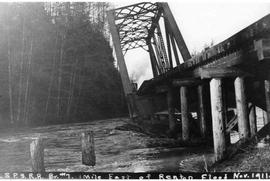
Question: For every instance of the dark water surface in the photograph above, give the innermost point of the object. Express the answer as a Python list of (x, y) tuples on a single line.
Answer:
[(116, 150)]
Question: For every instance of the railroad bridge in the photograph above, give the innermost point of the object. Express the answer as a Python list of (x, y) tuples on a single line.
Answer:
[(232, 75)]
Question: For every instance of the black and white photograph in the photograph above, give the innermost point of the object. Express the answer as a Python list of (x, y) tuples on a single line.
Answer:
[(135, 90)]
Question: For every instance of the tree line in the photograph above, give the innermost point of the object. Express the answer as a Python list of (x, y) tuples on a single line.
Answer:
[(56, 64)]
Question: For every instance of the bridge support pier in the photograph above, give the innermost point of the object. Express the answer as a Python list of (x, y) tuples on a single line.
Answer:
[(171, 109), (202, 113), (242, 108), (252, 120), (184, 113), (267, 98), (218, 118)]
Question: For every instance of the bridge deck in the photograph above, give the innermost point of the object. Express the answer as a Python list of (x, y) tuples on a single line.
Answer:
[(246, 47)]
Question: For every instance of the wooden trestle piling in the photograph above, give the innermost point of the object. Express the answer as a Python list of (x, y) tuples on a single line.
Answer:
[(242, 108), (184, 113), (218, 118), (202, 111)]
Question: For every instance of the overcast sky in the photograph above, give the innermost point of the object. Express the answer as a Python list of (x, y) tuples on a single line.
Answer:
[(200, 23)]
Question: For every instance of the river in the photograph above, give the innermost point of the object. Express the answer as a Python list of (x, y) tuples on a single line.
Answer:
[(116, 150)]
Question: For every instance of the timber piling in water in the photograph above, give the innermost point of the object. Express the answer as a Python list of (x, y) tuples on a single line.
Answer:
[(88, 148), (230, 62), (37, 155)]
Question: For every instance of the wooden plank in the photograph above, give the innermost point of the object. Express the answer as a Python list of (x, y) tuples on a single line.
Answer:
[(185, 82), (119, 54), (267, 99), (171, 110), (218, 119), (216, 72), (175, 31), (202, 114), (88, 148), (262, 47), (231, 124), (252, 120), (184, 114), (37, 155), (230, 60), (242, 108)]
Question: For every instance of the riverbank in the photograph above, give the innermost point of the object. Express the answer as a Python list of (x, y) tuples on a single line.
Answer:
[(254, 157)]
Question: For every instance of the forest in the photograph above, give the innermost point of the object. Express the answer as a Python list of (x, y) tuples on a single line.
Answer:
[(56, 64)]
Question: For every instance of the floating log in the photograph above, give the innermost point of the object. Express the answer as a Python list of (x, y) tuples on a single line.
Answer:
[(88, 149), (218, 119), (184, 113), (37, 155), (242, 108)]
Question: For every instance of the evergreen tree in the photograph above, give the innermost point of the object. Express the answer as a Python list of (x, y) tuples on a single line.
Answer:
[(56, 64)]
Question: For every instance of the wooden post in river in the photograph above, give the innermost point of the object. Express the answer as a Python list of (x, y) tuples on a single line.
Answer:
[(37, 155), (218, 118), (88, 149)]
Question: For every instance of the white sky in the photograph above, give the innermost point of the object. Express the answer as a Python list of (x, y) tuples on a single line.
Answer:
[(200, 23)]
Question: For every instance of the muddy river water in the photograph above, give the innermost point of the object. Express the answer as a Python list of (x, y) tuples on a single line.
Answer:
[(116, 150)]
